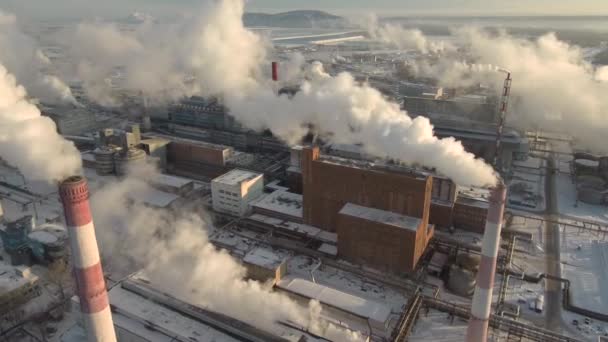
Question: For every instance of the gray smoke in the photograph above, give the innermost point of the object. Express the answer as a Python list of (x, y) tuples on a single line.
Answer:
[(19, 53)]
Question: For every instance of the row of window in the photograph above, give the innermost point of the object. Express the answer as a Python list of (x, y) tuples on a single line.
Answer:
[(229, 193)]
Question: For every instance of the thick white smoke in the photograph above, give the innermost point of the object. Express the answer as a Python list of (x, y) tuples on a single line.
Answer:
[(211, 53), (30, 141), (217, 55), (347, 112), (554, 88), (171, 246), (20, 54), (404, 39)]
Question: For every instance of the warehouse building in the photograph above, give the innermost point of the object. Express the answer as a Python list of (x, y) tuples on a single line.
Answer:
[(264, 265), (381, 239), (233, 192)]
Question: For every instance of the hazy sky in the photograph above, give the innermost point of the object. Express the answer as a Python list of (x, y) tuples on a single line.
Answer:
[(76, 8)]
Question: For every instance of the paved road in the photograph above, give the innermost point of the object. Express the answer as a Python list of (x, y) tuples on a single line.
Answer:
[(553, 295)]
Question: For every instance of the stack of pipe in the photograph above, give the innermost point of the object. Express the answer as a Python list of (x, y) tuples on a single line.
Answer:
[(477, 330), (90, 283)]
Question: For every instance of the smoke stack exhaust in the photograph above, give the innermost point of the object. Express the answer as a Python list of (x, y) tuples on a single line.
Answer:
[(90, 283), (477, 330), (275, 71)]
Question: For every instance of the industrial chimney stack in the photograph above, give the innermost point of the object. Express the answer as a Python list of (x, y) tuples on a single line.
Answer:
[(90, 283), (482, 299), (275, 71)]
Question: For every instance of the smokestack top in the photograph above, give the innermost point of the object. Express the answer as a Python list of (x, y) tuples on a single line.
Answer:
[(74, 193)]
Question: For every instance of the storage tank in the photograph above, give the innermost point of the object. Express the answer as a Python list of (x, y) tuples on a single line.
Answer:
[(128, 159), (461, 281), (590, 194), (48, 244), (104, 160)]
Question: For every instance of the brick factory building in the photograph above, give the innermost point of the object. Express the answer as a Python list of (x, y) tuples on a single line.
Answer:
[(381, 239), (329, 183)]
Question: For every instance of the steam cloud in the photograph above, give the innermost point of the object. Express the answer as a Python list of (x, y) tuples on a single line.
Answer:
[(217, 55), (554, 87), (19, 53), (30, 141), (174, 246)]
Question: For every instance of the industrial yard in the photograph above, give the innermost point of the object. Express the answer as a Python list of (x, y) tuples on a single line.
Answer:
[(352, 199)]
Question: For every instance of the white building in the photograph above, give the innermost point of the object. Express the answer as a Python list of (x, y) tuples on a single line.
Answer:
[(232, 192)]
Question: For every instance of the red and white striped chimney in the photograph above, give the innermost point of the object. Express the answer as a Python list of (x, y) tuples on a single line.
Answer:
[(275, 71), (477, 330), (90, 283)]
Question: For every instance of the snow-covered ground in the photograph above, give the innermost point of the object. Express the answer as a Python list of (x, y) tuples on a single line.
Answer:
[(527, 187), (570, 207)]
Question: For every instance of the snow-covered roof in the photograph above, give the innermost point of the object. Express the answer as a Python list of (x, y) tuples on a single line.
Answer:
[(163, 319), (236, 177), (14, 277), (156, 198), (381, 216), (328, 249), (172, 181), (358, 306), (264, 258), (283, 202), (88, 156), (475, 197)]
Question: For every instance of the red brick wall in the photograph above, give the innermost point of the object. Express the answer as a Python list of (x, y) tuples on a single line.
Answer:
[(441, 215), (469, 217), (328, 187), (180, 152), (380, 246)]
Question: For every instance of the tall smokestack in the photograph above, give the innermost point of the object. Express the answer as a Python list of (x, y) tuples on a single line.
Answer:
[(90, 284), (477, 330), (275, 71)]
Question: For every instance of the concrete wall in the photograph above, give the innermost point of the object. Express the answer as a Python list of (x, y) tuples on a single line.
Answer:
[(234, 199)]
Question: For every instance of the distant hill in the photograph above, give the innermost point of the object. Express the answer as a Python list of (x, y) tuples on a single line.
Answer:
[(294, 19)]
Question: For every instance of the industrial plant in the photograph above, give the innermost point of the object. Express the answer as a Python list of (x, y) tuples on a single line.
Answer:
[(190, 218)]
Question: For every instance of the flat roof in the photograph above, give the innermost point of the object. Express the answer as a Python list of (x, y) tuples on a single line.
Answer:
[(171, 138), (236, 177), (377, 165), (381, 216), (264, 258), (476, 197), (172, 181), (163, 319), (11, 279), (283, 202), (358, 306), (155, 198)]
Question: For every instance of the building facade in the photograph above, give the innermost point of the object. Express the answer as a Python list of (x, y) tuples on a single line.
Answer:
[(381, 239), (232, 192), (330, 183)]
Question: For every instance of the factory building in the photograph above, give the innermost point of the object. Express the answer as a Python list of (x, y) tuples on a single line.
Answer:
[(590, 175), (471, 210), (265, 266), (18, 285), (280, 204), (233, 192), (472, 120), (329, 183), (71, 121), (373, 315), (381, 239)]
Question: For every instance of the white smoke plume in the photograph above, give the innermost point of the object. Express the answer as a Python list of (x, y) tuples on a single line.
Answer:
[(217, 55), (554, 88), (211, 53), (171, 246), (402, 38), (19, 53), (30, 141), (347, 112)]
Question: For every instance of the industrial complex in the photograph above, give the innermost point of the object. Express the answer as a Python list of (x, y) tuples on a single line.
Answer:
[(369, 246)]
